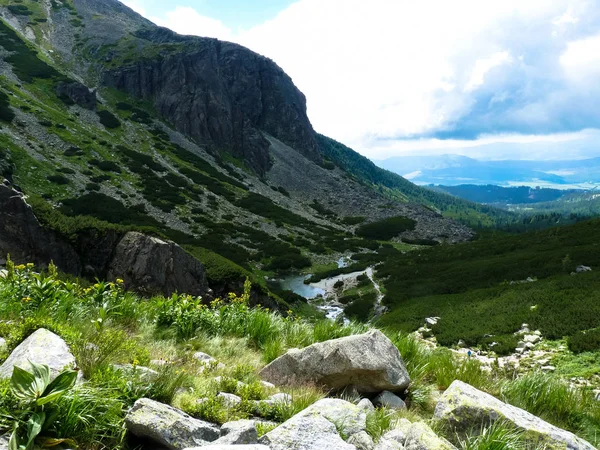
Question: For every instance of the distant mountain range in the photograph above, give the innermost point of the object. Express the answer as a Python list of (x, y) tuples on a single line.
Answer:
[(452, 170)]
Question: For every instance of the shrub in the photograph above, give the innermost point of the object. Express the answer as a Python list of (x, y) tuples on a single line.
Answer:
[(585, 341), (108, 119), (57, 179), (6, 113), (23, 59), (386, 229)]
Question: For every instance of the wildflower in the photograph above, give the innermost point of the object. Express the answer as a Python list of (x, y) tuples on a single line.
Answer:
[(20, 267), (26, 299), (30, 265), (120, 281)]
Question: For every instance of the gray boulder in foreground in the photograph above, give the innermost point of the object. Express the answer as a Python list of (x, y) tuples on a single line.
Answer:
[(348, 418), (305, 432), (232, 447), (168, 426), (370, 362), (152, 266), (462, 407), (42, 347)]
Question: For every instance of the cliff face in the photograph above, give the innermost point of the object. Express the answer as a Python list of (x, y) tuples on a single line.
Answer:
[(222, 95)]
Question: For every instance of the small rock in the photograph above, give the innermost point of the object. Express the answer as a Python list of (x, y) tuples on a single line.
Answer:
[(280, 398), (203, 358), (366, 405), (168, 426), (3, 344), (229, 400), (362, 441), (267, 385), (432, 320), (237, 433), (531, 338), (144, 373), (548, 368), (389, 400), (581, 269)]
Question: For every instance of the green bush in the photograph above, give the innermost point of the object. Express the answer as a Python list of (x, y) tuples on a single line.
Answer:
[(585, 341), (57, 179), (24, 60), (6, 113), (108, 119), (386, 229)]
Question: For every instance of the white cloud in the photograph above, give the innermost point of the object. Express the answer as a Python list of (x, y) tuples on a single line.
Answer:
[(581, 59), (386, 70), (483, 66), (186, 20)]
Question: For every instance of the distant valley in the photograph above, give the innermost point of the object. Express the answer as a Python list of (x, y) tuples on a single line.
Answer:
[(452, 170)]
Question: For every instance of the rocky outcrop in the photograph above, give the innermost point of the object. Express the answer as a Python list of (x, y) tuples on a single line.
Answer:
[(463, 408), (150, 265), (42, 347), (26, 239), (76, 93), (168, 426), (369, 362), (220, 94)]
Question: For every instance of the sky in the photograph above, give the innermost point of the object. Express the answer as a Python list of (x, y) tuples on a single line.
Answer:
[(490, 79)]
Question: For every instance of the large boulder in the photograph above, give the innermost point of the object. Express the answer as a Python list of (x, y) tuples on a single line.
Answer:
[(152, 266), (306, 432), (370, 362), (42, 347), (168, 426), (26, 239), (462, 408)]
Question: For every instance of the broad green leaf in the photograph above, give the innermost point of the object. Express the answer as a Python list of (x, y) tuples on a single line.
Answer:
[(61, 384), (41, 372), (22, 384), (13, 443), (34, 427)]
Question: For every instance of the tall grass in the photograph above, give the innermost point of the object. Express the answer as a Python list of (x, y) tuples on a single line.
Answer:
[(555, 401)]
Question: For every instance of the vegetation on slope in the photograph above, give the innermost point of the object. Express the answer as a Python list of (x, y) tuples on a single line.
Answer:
[(481, 288), (105, 326)]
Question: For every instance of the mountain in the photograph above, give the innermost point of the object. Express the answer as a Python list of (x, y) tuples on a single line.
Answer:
[(451, 170), (112, 124), (503, 196)]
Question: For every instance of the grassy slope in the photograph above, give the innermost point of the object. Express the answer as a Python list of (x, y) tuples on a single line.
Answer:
[(399, 188), (468, 285), (244, 339)]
